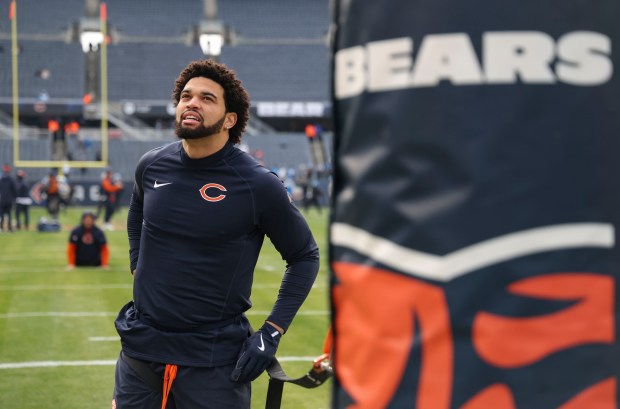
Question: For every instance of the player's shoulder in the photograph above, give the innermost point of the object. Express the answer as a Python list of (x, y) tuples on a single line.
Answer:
[(245, 164), (157, 154), (160, 152), (99, 232)]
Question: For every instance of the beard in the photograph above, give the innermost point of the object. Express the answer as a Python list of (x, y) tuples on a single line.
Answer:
[(200, 131)]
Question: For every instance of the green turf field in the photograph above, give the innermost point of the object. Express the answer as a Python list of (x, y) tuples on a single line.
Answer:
[(57, 336)]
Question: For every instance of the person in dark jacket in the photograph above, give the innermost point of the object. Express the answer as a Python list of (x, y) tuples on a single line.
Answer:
[(198, 215), (87, 245), (8, 193)]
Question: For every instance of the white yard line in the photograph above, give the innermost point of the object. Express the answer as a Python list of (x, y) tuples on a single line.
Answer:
[(104, 339), (277, 285), (29, 270), (56, 314), (79, 314), (302, 312), (54, 364), (110, 362), (48, 287)]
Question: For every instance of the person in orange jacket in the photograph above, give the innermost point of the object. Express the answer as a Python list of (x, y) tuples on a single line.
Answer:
[(87, 245), (111, 189)]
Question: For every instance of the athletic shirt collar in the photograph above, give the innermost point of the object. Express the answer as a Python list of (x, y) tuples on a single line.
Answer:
[(209, 160)]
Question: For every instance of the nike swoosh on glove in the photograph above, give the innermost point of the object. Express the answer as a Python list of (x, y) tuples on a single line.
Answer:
[(257, 353)]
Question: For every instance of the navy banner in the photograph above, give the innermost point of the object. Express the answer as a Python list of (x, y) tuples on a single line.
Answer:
[(474, 232)]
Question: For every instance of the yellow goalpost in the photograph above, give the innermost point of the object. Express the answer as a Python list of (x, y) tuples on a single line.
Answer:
[(18, 162)]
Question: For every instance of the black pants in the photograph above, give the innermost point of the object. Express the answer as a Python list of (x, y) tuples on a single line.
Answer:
[(110, 208), (53, 205), (5, 215), (22, 210), (195, 388)]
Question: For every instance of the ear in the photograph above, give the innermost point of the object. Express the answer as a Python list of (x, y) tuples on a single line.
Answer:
[(231, 120)]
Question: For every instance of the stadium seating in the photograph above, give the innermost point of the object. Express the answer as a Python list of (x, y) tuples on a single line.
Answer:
[(276, 69), (278, 150), (280, 54)]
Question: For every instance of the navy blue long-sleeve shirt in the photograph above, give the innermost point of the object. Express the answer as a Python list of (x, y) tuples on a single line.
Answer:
[(196, 227)]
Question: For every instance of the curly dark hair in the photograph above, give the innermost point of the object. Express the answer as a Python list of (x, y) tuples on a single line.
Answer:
[(236, 98)]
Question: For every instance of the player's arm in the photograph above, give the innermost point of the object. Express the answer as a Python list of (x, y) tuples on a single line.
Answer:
[(71, 255), (135, 217), (287, 229), (72, 250), (104, 253), (104, 250), (280, 220)]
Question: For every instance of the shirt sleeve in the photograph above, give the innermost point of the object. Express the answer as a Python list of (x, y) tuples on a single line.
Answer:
[(74, 236), (287, 229), (135, 217), (104, 253), (71, 253)]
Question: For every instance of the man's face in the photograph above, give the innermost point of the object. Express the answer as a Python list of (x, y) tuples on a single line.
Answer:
[(201, 110), (88, 221)]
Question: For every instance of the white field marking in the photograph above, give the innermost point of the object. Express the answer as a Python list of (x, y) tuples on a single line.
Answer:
[(16, 256), (80, 314), (476, 256), (104, 339), (308, 312), (32, 270), (269, 268), (48, 287), (111, 362), (56, 314), (277, 285), (54, 364)]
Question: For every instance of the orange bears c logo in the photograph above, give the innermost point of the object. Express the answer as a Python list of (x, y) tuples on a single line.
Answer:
[(205, 196)]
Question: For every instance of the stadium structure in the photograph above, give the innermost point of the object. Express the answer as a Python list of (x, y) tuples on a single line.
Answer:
[(72, 103)]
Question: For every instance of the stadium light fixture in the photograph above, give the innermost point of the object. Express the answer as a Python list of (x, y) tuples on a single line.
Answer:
[(90, 34), (211, 44), (211, 37), (91, 40)]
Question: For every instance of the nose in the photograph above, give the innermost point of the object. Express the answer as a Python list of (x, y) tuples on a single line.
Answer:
[(192, 103)]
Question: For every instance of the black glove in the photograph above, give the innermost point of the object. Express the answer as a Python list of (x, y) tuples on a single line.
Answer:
[(257, 353)]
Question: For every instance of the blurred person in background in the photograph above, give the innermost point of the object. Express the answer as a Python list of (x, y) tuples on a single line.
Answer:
[(8, 193), (23, 202), (87, 245), (111, 188), (52, 191)]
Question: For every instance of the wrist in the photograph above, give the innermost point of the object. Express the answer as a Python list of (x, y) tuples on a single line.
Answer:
[(274, 330)]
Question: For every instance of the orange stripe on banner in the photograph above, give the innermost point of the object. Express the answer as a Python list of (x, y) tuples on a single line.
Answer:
[(12, 10), (497, 396), (599, 396), (376, 311), (513, 342)]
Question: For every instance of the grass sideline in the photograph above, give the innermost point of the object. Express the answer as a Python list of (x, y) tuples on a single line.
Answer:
[(50, 315)]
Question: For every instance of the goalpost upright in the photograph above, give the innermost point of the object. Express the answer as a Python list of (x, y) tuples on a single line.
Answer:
[(104, 100)]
